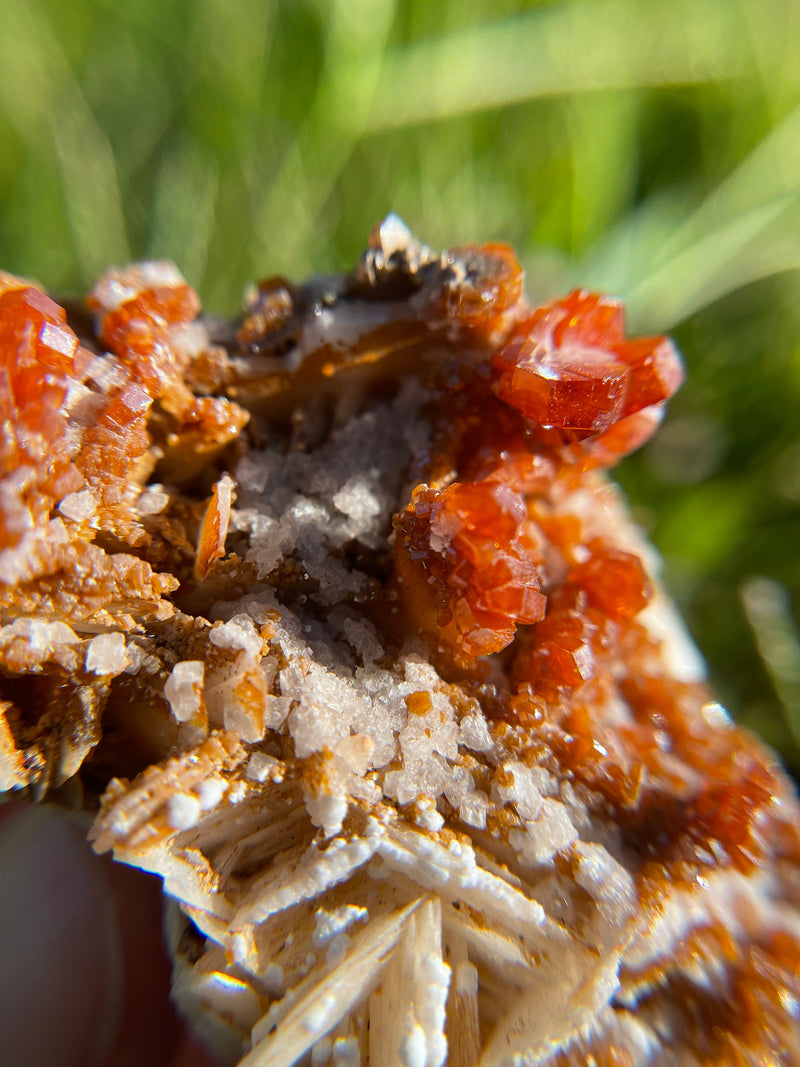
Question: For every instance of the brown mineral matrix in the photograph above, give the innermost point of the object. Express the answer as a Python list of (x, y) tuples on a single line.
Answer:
[(332, 619)]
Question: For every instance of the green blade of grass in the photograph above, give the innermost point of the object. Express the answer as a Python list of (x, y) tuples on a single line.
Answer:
[(567, 48), (770, 171), (40, 93), (767, 607), (668, 265), (187, 186), (287, 215), (759, 243)]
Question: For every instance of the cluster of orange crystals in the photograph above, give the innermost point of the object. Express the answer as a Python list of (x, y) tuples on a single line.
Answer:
[(500, 557), (76, 421), (524, 406), (474, 554), (84, 423)]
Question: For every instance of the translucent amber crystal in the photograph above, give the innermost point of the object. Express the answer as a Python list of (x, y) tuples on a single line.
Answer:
[(568, 366), (607, 448), (586, 393), (139, 329), (480, 283), (614, 581), (561, 649), (38, 353)]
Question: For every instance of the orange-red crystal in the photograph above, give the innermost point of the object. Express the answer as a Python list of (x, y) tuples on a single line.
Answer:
[(569, 366), (38, 360), (471, 558)]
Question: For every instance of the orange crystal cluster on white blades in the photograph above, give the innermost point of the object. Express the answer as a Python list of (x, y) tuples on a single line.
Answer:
[(334, 620)]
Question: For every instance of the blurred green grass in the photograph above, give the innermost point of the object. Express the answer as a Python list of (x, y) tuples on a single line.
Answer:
[(650, 148)]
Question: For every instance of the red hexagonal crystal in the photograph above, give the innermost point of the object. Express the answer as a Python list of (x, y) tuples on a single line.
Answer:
[(561, 650), (576, 390), (568, 366), (614, 582)]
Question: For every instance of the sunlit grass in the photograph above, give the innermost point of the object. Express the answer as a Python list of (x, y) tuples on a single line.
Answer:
[(44, 100), (769, 612), (563, 50), (645, 146)]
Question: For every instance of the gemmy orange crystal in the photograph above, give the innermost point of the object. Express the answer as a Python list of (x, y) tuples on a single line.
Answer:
[(569, 366), (481, 282), (37, 361), (615, 582), (470, 557)]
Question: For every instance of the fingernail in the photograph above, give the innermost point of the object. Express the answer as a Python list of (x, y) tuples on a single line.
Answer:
[(61, 982)]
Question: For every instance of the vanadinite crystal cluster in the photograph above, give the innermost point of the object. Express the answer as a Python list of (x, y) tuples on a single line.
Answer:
[(334, 620)]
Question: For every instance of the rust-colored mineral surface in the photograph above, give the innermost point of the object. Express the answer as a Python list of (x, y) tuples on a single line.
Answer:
[(334, 620)]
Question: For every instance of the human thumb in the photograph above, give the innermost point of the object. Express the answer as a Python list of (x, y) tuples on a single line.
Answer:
[(61, 972)]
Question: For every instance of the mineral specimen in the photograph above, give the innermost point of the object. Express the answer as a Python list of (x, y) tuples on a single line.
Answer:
[(333, 619)]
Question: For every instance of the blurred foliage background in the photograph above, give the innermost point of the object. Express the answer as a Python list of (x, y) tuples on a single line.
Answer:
[(649, 148)]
